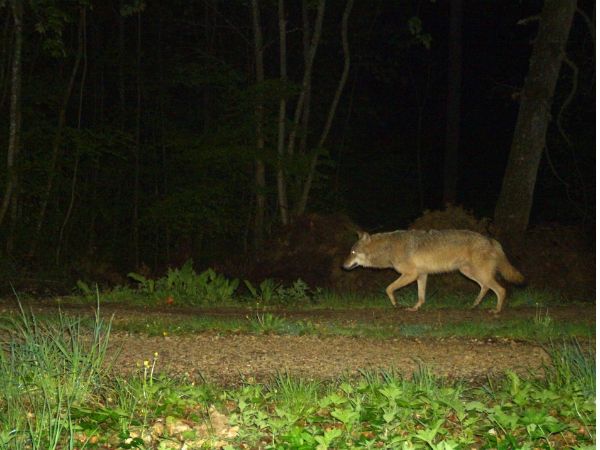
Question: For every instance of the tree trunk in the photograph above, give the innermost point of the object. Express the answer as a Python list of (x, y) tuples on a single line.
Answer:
[(301, 208), (77, 156), (259, 170), (163, 134), (307, 78), (516, 197), (453, 104), (7, 43), (56, 144), (210, 27), (14, 132), (121, 71), (281, 181), (306, 37), (137, 155)]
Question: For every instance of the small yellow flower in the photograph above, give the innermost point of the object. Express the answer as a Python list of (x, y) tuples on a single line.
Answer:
[(165, 333), (146, 363), (156, 354)]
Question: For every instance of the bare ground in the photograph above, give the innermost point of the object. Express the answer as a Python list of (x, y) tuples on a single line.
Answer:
[(232, 358)]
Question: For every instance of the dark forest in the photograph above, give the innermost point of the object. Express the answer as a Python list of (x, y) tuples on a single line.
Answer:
[(143, 133)]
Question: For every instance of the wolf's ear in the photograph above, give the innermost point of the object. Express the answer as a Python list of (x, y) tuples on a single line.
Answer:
[(363, 236)]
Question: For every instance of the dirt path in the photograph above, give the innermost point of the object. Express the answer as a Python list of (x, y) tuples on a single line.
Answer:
[(230, 358)]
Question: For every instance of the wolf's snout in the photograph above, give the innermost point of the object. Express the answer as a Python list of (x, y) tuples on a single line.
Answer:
[(350, 266)]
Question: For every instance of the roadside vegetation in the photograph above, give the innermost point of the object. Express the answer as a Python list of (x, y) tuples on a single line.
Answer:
[(267, 308), (185, 287), (56, 391)]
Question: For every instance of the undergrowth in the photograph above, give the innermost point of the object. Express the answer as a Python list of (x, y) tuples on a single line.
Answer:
[(185, 287), (56, 391)]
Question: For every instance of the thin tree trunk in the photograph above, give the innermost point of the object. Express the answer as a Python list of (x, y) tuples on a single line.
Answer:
[(138, 124), (77, 157), (14, 133), (210, 26), (281, 181), (56, 144), (259, 170), (332, 110), (94, 198), (516, 197), (163, 133), (307, 78), (69, 209), (121, 70), (306, 35), (7, 43), (421, 101), (453, 104)]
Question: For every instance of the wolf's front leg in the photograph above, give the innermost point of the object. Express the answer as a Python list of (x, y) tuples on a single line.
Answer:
[(404, 280)]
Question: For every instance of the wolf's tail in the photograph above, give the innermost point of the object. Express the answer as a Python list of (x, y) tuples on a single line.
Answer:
[(506, 269)]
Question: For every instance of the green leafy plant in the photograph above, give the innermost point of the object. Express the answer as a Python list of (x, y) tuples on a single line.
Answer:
[(270, 291), (145, 285), (84, 288), (266, 291), (188, 286), (267, 323), (296, 293)]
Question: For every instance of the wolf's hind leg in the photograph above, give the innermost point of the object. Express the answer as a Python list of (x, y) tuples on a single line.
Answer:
[(422, 285), (484, 290), (500, 293), (404, 280), (469, 273)]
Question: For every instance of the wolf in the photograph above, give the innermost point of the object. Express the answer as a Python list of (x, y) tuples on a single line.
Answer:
[(417, 253)]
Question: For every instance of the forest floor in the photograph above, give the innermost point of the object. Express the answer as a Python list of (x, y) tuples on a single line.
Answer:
[(229, 358)]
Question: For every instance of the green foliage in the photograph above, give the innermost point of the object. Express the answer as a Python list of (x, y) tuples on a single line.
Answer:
[(55, 393), (297, 396), (271, 324), (135, 7), (47, 370), (84, 288), (267, 323), (266, 291), (572, 366), (145, 285), (188, 286), (51, 20), (297, 292), (270, 292), (415, 27), (385, 411)]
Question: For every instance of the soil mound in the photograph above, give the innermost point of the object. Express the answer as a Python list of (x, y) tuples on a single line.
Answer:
[(313, 248)]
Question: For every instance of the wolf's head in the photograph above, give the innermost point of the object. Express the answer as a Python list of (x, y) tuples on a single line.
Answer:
[(358, 255)]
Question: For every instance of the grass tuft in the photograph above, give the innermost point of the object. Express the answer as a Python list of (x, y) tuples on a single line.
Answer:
[(46, 370), (572, 365)]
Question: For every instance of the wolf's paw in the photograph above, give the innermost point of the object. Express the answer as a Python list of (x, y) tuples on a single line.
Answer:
[(494, 312), (413, 309)]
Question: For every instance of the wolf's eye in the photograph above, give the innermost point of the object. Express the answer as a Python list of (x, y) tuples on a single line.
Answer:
[(353, 252)]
